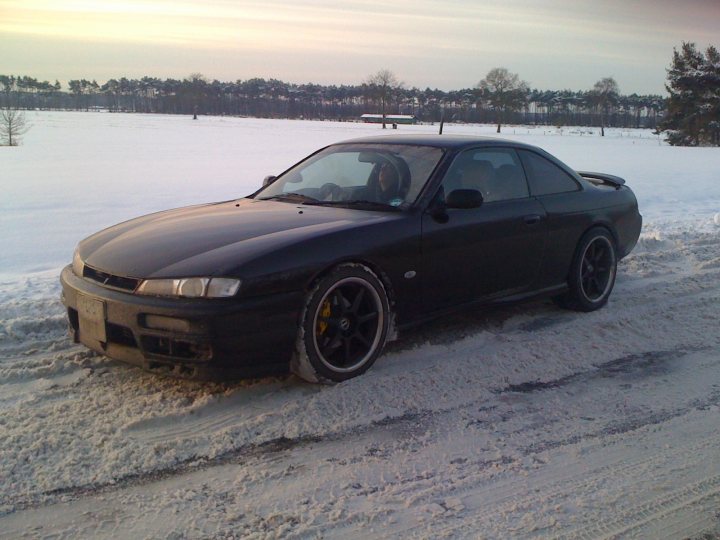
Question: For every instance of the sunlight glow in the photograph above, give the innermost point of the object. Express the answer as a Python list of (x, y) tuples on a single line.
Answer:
[(351, 36), (314, 25)]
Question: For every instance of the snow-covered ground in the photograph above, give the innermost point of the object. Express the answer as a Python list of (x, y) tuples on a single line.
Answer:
[(517, 421)]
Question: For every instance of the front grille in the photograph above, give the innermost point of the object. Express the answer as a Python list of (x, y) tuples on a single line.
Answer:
[(109, 280)]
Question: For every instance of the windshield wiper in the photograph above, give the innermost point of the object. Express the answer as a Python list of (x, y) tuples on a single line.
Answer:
[(360, 203), (306, 199), (295, 197)]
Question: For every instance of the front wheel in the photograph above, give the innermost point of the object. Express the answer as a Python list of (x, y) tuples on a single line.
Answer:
[(592, 274), (343, 327)]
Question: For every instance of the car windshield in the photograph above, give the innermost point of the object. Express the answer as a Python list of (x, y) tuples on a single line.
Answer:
[(373, 176)]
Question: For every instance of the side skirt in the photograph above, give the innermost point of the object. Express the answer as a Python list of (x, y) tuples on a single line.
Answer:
[(486, 301)]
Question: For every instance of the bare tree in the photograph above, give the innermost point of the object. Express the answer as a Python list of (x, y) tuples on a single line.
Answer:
[(604, 94), (384, 84), (197, 90), (504, 91), (12, 126)]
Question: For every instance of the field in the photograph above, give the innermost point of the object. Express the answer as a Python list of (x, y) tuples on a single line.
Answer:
[(517, 421)]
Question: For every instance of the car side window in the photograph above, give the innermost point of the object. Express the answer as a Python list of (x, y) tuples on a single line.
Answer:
[(545, 177), (495, 172)]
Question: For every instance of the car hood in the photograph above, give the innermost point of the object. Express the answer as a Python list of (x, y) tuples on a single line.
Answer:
[(212, 239)]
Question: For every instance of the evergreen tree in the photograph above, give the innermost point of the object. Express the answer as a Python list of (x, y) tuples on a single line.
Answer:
[(693, 109)]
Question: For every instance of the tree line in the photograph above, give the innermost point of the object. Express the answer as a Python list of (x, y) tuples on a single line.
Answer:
[(690, 115), (273, 98)]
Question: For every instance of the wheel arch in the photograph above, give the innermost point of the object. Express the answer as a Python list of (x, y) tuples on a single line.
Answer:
[(575, 298), (601, 224), (307, 362), (372, 266)]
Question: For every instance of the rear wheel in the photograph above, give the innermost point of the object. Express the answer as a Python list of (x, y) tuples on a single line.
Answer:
[(593, 271), (344, 326)]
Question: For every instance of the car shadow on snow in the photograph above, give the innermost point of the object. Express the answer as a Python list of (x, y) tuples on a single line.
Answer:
[(525, 317)]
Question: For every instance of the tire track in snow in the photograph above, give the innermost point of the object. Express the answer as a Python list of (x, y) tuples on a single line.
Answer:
[(491, 496), (484, 490), (409, 422), (635, 518), (237, 455), (220, 415)]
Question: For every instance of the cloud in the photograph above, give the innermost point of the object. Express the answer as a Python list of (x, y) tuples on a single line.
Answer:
[(450, 37)]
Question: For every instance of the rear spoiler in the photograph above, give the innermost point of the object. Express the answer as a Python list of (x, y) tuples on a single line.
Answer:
[(602, 178)]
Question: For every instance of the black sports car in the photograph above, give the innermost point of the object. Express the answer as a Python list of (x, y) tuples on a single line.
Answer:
[(317, 270)]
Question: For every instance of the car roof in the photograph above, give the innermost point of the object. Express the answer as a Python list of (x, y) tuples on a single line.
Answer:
[(439, 141)]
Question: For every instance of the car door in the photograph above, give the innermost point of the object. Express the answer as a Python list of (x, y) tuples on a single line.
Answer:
[(491, 250)]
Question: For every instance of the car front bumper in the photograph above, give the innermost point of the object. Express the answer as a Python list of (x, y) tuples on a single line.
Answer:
[(201, 338)]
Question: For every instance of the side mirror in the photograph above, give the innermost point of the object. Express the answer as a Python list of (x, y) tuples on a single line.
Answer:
[(464, 198), (269, 180)]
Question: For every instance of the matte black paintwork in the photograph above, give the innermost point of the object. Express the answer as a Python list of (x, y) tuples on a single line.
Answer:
[(481, 252), (503, 249)]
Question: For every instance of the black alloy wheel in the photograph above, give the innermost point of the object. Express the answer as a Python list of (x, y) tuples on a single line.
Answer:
[(593, 271), (344, 325), (596, 268)]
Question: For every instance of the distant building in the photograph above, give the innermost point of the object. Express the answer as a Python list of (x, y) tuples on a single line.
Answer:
[(389, 119)]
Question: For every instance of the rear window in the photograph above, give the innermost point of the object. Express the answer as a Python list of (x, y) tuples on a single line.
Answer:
[(544, 177)]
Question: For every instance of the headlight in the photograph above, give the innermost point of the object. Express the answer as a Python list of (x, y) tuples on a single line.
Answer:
[(190, 287), (77, 264)]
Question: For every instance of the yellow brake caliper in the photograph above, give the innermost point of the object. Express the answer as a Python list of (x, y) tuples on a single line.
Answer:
[(326, 312)]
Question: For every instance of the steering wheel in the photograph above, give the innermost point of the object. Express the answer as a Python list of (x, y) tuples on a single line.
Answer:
[(331, 192)]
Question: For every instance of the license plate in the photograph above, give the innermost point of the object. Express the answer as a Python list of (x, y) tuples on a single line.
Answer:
[(91, 316)]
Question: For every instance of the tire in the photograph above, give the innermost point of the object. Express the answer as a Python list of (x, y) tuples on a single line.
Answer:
[(343, 327), (592, 273)]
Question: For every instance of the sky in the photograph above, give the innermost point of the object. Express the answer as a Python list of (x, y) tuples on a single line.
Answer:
[(448, 44)]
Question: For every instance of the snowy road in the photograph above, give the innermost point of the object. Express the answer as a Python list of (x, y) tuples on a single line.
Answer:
[(517, 421), (523, 420)]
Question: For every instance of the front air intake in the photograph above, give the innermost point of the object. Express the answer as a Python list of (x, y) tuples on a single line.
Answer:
[(109, 280)]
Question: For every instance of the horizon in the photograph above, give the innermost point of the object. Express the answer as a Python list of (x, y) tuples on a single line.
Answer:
[(553, 45)]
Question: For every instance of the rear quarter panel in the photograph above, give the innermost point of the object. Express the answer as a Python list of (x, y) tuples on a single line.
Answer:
[(570, 215)]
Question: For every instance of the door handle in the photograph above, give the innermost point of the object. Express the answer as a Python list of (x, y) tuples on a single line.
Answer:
[(532, 219)]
